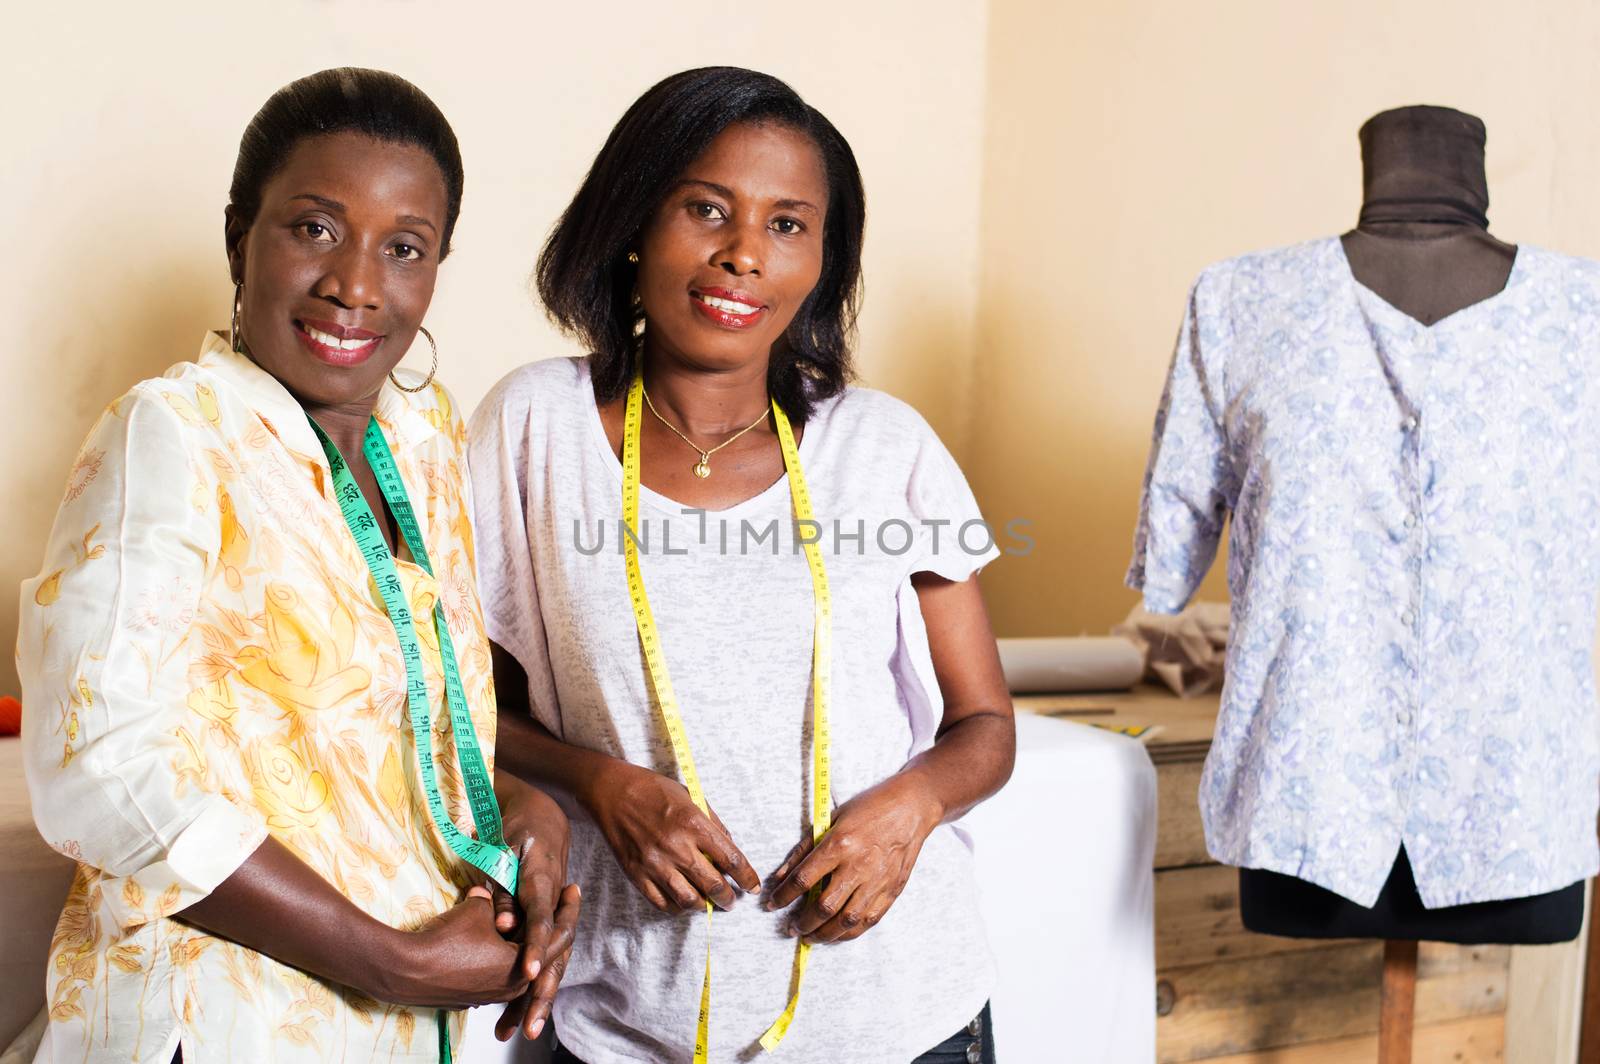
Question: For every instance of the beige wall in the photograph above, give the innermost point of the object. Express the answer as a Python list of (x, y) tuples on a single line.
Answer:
[(1044, 179), (1131, 142), (121, 127)]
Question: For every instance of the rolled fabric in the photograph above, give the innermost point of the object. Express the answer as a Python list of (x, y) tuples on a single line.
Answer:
[(1070, 663)]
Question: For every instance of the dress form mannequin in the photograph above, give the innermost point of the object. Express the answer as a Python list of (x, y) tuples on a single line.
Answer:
[(1422, 244)]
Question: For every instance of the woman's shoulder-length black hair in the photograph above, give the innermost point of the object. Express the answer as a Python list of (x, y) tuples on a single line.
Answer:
[(376, 103), (584, 276)]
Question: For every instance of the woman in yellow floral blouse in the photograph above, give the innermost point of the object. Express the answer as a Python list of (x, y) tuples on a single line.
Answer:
[(215, 662)]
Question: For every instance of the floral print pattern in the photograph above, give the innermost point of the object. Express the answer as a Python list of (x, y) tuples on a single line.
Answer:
[(1415, 516), (205, 662)]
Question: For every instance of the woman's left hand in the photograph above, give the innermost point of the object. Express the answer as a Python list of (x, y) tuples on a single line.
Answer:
[(863, 862), (542, 914)]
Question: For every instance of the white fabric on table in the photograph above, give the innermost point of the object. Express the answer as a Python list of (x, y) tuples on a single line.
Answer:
[(1065, 863)]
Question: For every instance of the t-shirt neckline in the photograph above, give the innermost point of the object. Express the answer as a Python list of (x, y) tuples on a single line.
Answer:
[(760, 500)]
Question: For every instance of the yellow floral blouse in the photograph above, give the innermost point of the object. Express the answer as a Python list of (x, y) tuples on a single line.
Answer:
[(205, 661)]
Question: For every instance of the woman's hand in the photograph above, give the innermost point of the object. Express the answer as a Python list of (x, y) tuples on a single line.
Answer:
[(530, 1011), (865, 859), (537, 831), (544, 915), (674, 854), (454, 961), (862, 863), (276, 904)]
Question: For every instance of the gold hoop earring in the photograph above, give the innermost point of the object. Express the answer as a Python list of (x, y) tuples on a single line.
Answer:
[(234, 340), (434, 368)]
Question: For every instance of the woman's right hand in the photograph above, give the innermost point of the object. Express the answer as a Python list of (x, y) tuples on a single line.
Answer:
[(676, 856), (454, 961)]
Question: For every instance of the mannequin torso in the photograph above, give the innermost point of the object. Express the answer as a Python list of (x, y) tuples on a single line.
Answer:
[(1422, 245)]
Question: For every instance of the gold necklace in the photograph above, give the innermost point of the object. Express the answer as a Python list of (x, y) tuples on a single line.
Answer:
[(702, 468)]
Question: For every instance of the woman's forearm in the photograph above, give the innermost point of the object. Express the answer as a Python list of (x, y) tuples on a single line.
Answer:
[(527, 749), (277, 905), (976, 746), (971, 760)]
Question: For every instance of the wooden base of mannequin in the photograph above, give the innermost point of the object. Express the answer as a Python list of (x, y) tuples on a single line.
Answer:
[(1397, 1011)]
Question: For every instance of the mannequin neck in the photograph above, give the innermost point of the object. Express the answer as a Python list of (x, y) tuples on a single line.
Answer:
[(1423, 173)]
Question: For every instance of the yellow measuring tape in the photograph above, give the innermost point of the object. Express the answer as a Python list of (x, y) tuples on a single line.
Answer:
[(672, 717)]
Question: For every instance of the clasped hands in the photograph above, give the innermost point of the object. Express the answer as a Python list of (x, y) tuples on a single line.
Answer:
[(495, 947), (679, 858)]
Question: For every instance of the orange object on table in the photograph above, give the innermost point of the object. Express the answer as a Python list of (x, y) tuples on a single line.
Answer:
[(10, 716)]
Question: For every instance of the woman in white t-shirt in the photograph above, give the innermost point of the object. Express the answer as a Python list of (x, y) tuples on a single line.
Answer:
[(711, 263)]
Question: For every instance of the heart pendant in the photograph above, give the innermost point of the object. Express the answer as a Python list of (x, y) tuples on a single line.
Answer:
[(702, 469)]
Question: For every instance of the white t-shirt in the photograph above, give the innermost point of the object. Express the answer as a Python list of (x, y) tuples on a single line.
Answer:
[(732, 598)]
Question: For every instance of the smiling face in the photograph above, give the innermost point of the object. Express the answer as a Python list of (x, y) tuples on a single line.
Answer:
[(339, 264), (735, 248)]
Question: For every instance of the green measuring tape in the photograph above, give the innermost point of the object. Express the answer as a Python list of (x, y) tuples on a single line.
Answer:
[(488, 852)]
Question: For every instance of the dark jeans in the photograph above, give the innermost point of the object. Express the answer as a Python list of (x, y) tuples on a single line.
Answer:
[(973, 1044)]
